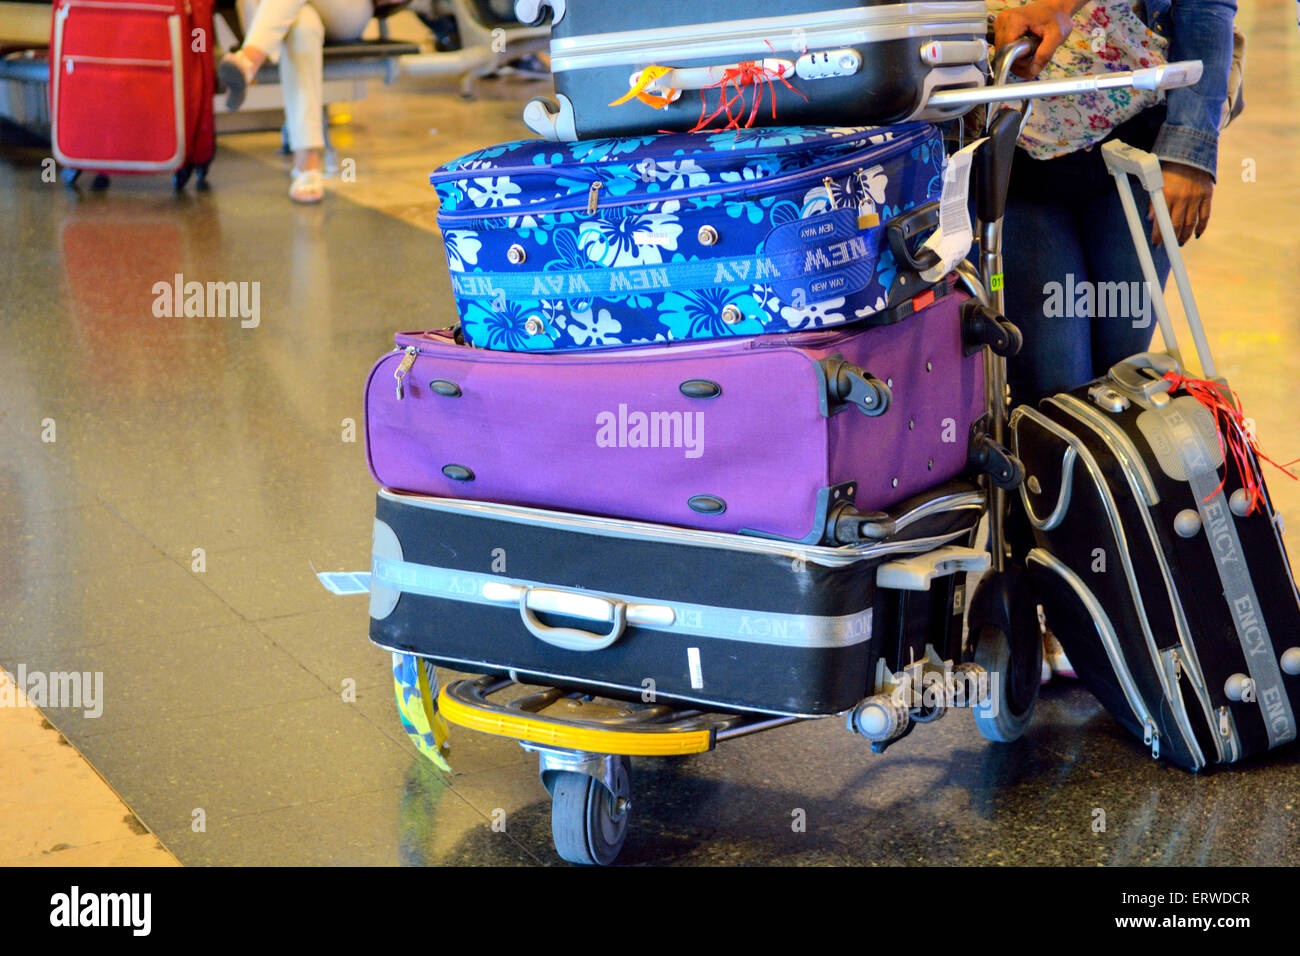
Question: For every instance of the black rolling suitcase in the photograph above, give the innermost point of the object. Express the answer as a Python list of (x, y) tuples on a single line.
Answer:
[(669, 64), (1159, 558), (621, 608)]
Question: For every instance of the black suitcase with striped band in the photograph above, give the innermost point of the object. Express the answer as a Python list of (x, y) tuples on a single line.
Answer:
[(1159, 557)]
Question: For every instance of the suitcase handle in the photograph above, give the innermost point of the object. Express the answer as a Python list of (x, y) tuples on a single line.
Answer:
[(1168, 77), (672, 83), (586, 606), (1124, 161), (906, 226), (1131, 376)]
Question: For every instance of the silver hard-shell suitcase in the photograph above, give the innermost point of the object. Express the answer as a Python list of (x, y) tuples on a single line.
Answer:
[(625, 70), (786, 62)]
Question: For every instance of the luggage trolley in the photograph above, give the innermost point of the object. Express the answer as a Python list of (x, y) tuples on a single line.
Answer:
[(928, 635)]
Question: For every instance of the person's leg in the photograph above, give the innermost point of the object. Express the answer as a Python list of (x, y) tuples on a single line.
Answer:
[(301, 78), (263, 38), (1041, 252), (1125, 319), (344, 19), (1043, 259)]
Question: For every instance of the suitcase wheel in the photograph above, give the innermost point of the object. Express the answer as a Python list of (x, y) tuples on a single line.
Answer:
[(70, 177), (201, 176), (1008, 644), (588, 821), (1013, 687), (181, 177), (99, 183)]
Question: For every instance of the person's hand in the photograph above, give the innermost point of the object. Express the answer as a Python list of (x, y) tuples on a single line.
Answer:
[(1049, 20), (1188, 192)]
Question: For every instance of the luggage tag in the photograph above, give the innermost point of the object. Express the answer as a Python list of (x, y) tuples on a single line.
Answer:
[(345, 582), (953, 239)]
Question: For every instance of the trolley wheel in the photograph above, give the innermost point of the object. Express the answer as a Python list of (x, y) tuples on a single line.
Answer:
[(588, 822), (181, 177), (70, 177), (201, 175), (99, 183), (1013, 686)]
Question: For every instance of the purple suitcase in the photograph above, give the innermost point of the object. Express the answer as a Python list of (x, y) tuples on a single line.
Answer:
[(791, 436)]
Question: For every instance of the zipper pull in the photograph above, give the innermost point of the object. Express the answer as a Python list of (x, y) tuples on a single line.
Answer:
[(593, 198), (69, 61), (405, 367), (1151, 738), (1178, 664), (830, 191), (1225, 725)]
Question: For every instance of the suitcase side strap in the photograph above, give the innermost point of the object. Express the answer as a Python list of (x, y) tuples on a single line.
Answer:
[(1200, 466), (821, 271), (723, 623)]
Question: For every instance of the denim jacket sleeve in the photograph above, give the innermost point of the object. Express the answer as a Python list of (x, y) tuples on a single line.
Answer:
[(1197, 30)]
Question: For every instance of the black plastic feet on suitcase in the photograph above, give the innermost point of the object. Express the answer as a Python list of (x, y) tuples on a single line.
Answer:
[(182, 176), (982, 326), (846, 385), (987, 457), (179, 178), (847, 525)]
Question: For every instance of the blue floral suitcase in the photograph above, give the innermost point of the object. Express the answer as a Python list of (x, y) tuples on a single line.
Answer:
[(616, 242)]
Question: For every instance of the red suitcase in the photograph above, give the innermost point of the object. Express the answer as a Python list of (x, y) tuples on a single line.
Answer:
[(131, 87)]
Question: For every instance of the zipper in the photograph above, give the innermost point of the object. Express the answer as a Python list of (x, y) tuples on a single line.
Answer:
[(114, 61), (1109, 642), (555, 207), (815, 340), (101, 5), (820, 555), (1228, 731), (1151, 737), (403, 369), (1144, 492), (1173, 666)]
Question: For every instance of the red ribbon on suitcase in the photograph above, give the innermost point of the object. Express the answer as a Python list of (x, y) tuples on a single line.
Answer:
[(1224, 405)]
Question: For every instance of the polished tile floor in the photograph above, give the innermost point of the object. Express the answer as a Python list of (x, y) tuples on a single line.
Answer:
[(200, 472)]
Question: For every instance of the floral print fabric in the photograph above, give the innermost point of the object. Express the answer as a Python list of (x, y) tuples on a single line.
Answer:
[(665, 206), (1108, 37)]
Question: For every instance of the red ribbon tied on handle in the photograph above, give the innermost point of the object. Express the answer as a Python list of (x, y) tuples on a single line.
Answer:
[(1240, 439)]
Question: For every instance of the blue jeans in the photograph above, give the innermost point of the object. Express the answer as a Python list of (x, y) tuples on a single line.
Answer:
[(1066, 244)]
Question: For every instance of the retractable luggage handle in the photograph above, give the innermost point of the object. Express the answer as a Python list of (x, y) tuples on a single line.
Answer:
[(1124, 161), (1167, 77)]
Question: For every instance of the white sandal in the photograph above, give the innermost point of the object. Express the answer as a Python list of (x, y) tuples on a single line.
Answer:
[(308, 185)]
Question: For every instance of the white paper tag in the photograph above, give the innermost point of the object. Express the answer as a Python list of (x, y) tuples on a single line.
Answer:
[(693, 662), (955, 235), (653, 238), (345, 582)]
